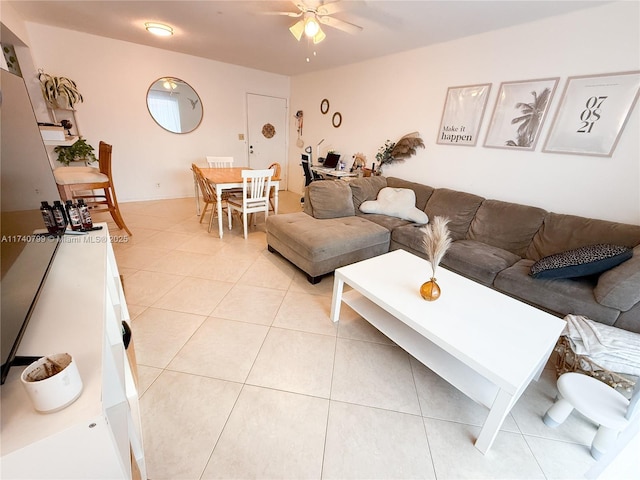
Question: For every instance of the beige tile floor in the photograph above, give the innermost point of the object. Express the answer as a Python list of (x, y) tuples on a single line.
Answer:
[(243, 375)]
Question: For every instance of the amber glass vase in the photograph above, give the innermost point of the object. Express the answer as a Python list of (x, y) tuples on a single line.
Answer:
[(430, 290)]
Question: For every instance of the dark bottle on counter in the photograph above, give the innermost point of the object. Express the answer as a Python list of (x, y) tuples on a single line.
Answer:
[(73, 215), (85, 215), (47, 216), (60, 216)]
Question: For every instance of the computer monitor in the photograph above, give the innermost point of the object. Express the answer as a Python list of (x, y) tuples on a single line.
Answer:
[(332, 160)]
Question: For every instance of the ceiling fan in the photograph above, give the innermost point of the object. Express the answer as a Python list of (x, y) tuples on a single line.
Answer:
[(312, 17)]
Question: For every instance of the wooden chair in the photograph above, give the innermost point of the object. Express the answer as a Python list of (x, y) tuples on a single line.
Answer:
[(208, 194), (74, 183), (277, 170), (256, 185), (220, 162)]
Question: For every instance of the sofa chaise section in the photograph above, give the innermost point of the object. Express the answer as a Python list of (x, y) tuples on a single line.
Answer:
[(320, 245)]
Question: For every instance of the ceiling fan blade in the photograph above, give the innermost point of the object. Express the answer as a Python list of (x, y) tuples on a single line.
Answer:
[(340, 25), (288, 14), (338, 6)]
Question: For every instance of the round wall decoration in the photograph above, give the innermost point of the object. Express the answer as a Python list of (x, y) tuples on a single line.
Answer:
[(324, 106), (336, 120), (268, 130)]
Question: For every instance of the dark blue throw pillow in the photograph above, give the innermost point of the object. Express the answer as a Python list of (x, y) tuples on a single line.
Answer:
[(581, 262)]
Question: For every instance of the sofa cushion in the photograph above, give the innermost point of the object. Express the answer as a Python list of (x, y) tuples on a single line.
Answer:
[(620, 287), (581, 262), (629, 319), (566, 232), (306, 205), (320, 246), (390, 223), (410, 236), (330, 199), (396, 202), (506, 225), (478, 260), (423, 192), (559, 296), (73, 175), (366, 188), (458, 207)]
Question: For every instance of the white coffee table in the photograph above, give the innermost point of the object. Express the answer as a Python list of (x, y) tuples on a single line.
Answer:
[(486, 344)]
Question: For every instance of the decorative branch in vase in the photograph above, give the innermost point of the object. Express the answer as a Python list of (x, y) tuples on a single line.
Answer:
[(436, 241), (398, 151)]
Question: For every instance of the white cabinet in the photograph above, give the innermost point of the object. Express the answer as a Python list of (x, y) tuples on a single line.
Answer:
[(80, 311)]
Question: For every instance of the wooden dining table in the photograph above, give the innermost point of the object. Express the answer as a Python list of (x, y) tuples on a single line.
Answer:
[(222, 179)]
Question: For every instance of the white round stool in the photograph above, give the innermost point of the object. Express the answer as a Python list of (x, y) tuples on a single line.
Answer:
[(596, 401)]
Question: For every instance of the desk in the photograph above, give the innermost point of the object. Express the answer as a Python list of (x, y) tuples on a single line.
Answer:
[(333, 173), (229, 178)]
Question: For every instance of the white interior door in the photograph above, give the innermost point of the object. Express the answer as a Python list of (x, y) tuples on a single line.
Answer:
[(267, 133)]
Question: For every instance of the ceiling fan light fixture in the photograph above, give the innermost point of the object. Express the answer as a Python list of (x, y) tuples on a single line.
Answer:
[(169, 84), (159, 29), (318, 37), (311, 25), (297, 29)]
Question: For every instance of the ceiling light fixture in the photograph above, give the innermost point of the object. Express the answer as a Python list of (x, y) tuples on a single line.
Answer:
[(310, 26), (169, 84), (297, 29), (318, 37), (159, 29)]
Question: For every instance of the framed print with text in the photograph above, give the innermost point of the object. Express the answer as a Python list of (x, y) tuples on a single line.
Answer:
[(520, 111), (462, 114), (592, 113)]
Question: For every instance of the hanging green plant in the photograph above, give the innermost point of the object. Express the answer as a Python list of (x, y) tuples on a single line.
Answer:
[(79, 151), (59, 92)]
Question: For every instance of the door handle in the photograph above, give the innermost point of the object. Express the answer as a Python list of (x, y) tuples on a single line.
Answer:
[(250, 148)]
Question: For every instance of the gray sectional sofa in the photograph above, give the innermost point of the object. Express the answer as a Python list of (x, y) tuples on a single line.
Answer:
[(494, 243)]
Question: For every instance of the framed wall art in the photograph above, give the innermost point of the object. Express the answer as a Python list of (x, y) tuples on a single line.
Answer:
[(592, 113), (462, 114), (520, 111)]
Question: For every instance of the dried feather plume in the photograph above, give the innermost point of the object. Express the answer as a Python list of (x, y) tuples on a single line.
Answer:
[(436, 240), (406, 146)]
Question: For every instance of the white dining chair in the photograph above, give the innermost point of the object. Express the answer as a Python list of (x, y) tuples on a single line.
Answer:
[(256, 185), (600, 403), (220, 162)]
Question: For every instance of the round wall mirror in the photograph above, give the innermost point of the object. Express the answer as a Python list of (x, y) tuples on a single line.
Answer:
[(174, 105)]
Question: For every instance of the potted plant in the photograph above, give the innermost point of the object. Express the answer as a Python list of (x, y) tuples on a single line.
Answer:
[(79, 151), (59, 92)]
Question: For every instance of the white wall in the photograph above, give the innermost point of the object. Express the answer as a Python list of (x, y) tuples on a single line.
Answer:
[(388, 97), (113, 77)]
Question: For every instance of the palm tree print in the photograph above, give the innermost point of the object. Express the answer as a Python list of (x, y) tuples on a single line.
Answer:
[(530, 119)]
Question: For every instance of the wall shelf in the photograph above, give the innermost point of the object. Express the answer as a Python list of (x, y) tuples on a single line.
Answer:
[(68, 141)]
